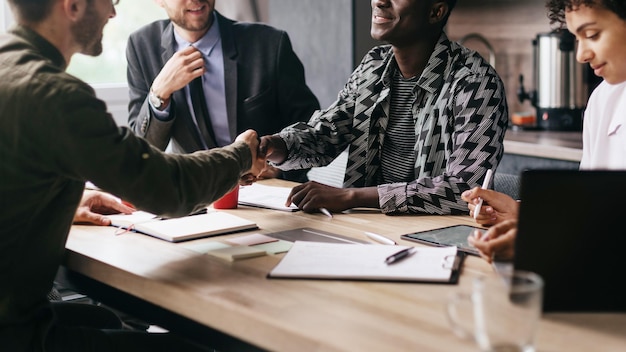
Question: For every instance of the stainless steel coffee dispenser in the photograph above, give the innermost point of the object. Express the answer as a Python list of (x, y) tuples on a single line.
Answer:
[(561, 84)]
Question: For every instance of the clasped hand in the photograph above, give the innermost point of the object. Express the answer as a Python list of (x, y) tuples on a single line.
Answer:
[(269, 148)]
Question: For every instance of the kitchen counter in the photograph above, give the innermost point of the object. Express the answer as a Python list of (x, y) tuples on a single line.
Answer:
[(557, 145)]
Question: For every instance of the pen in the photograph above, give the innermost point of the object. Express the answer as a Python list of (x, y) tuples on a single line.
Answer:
[(398, 256), (201, 211), (485, 185), (326, 212), (379, 238)]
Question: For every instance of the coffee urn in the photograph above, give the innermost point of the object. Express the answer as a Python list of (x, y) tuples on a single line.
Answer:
[(561, 83)]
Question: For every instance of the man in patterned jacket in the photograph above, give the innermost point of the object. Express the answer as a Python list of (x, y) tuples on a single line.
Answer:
[(423, 117)]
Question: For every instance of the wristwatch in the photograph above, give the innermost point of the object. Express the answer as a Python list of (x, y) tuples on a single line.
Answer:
[(156, 101)]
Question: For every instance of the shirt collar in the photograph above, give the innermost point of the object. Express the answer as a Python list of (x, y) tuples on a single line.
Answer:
[(44, 46), (438, 64), (434, 70), (205, 44)]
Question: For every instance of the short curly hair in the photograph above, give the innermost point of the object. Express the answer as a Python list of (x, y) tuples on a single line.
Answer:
[(557, 8)]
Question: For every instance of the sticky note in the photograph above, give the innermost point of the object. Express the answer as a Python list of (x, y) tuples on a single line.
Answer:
[(275, 247), (206, 246), (251, 240), (237, 252)]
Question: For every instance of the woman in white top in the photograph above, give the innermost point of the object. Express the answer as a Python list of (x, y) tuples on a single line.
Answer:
[(600, 30)]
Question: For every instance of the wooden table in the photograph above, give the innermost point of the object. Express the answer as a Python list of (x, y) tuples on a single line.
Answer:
[(236, 307)]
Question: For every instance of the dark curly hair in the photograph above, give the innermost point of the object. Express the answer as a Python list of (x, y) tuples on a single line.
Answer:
[(557, 8)]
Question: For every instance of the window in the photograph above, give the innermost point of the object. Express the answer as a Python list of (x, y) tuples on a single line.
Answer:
[(107, 72), (5, 16), (110, 66)]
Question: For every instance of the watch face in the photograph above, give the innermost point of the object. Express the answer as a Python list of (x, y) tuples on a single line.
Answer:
[(154, 100)]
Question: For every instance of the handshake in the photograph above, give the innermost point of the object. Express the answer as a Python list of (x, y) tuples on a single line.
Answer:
[(264, 149)]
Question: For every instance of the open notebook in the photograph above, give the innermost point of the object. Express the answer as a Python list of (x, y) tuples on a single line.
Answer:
[(184, 228)]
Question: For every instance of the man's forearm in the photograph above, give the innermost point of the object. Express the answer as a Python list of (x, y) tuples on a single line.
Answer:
[(364, 197)]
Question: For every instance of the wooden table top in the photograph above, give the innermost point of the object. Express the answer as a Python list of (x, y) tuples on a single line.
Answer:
[(236, 298)]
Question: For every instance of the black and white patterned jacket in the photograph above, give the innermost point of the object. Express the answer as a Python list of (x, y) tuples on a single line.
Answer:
[(460, 113)]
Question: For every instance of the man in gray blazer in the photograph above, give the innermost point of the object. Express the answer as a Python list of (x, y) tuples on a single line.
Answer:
[(251, 77)]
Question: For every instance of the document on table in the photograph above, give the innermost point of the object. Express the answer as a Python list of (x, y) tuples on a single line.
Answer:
[(316, 260), (263, 196)]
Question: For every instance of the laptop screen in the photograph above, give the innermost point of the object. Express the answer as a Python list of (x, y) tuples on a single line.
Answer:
[(572, 232)]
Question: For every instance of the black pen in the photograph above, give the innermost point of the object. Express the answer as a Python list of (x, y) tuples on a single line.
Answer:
[(398, 256), (199, 212)]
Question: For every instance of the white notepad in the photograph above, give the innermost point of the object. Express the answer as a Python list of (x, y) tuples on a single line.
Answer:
[(263, 196), (316, 260), (184, 228)]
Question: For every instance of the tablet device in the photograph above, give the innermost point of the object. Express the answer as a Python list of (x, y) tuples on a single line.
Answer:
[(455, 235)]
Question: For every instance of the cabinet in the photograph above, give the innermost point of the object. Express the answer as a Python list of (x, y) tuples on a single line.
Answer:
[(540, 149)]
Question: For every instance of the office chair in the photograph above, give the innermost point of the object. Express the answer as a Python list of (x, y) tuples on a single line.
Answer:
[(507, 183)]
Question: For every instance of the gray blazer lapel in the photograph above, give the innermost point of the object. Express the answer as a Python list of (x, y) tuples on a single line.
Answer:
[(167, 43), (230, 71)]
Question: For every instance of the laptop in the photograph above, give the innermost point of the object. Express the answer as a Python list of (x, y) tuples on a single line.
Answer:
[(572, 232)]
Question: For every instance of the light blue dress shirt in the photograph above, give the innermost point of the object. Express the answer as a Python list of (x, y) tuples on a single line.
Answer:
[(210, 45)]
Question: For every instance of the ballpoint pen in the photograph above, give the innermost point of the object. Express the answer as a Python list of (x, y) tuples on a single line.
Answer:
[(379, 238), (398, 256), (485, 185), (326, 212)]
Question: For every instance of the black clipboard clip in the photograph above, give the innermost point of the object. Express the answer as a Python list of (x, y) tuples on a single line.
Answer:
[(453, 262)]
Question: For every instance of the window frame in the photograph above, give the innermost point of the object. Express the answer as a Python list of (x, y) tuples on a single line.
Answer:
[(6, 19)]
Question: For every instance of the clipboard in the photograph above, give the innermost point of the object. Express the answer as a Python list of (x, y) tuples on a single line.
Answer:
[(336, 261)]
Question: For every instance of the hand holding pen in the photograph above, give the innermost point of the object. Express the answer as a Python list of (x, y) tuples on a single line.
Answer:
[(485, 185), (498, 207)]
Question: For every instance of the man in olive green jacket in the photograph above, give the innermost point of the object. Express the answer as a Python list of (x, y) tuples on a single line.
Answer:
[(54, 135)]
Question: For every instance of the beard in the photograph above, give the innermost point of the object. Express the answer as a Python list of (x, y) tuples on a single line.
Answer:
[(178, 17), (88, 33), (192, 27)]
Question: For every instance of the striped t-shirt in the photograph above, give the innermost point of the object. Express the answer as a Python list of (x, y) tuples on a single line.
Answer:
[(398, 153)]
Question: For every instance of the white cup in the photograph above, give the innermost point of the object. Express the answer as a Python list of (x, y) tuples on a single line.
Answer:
[(501, 313)]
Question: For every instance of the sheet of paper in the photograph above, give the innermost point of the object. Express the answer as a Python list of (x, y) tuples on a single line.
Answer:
[(264, 196), (364, 262)]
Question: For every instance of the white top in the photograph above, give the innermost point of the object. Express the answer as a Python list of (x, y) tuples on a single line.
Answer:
[(604, 128)]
